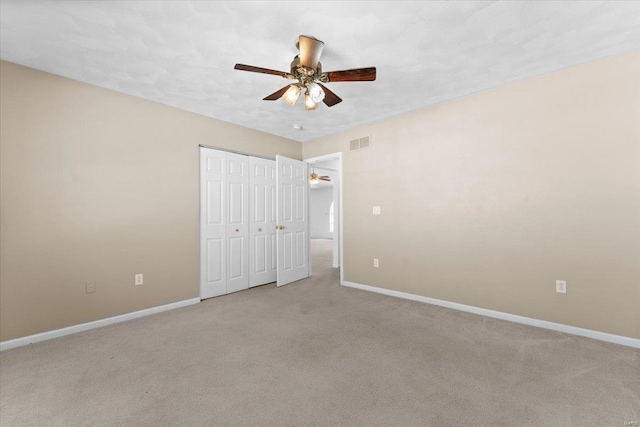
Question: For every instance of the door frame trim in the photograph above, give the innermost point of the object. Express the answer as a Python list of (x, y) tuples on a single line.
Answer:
[(324, 158)]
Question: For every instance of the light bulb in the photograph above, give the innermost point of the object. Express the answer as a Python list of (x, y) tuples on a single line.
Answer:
[(291, 95), (308, 102), (316, 92)]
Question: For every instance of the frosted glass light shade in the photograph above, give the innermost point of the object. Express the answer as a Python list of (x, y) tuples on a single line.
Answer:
[(308, 102), (316, 92), (291, 95)]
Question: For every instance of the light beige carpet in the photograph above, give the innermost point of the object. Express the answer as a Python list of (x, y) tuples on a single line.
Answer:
[(315, 353)]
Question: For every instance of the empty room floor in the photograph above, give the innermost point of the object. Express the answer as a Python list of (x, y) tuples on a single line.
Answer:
[(316, 353)]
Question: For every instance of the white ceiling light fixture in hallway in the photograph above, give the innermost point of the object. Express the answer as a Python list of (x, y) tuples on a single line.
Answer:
[(182, 53)]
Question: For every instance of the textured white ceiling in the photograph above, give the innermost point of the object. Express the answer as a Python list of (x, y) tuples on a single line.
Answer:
[(182, 53)]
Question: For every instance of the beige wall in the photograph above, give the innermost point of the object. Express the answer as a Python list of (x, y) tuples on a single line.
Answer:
[(97, 185), (488, 199)]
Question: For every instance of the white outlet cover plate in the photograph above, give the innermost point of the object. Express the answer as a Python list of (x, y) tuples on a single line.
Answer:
[(561, 286), (376, 210)]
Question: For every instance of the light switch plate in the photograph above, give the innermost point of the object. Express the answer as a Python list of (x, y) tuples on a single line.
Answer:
[(376, 210), (91, 287)]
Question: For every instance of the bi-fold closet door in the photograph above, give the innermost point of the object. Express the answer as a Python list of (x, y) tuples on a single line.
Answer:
[(263, 265), (237, 222)]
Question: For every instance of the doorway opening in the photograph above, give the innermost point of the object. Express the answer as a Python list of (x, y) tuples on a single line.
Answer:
[(325, 209)]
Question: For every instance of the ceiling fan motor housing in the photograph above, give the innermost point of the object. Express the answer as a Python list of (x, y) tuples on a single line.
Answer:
[(306, 75)]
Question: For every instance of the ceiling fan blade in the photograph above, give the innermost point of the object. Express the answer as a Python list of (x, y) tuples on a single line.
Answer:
[(324, 178), (276, 95), (330, 98), (310, 51), (356, 75), (253, 69)]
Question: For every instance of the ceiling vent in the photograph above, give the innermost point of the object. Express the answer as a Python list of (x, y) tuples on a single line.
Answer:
[(360, 143)]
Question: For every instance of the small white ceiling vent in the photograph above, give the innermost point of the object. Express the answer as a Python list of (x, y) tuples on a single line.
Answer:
[(360, 143)]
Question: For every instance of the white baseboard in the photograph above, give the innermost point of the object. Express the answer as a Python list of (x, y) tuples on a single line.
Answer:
[(32, 339), (602, 336)]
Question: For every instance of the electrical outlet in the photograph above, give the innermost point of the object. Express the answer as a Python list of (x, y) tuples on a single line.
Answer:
[(139, 280), (561, 286), (376, 263), (91, 287), (376, 210)]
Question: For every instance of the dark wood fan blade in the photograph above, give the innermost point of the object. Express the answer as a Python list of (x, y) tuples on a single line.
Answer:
[(330, 98), (276, 95), (253, 69), (356, 75), (310, 51), (324, 178)]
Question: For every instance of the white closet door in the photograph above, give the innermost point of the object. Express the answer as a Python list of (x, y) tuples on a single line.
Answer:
[(292, 189), (262, 183), (237, 202), (273, 231), (212, 223)]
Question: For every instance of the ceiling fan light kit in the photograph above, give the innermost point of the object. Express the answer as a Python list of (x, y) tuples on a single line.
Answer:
[(314, 178), (315, 92), (309, 103), (307, 69), (291, 95)]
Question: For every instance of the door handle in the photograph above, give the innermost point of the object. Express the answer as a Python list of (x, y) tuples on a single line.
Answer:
[(280, 227)]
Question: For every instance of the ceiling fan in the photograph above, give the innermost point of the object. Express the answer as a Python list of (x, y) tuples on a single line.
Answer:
[(307, 70), (314, 178)]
